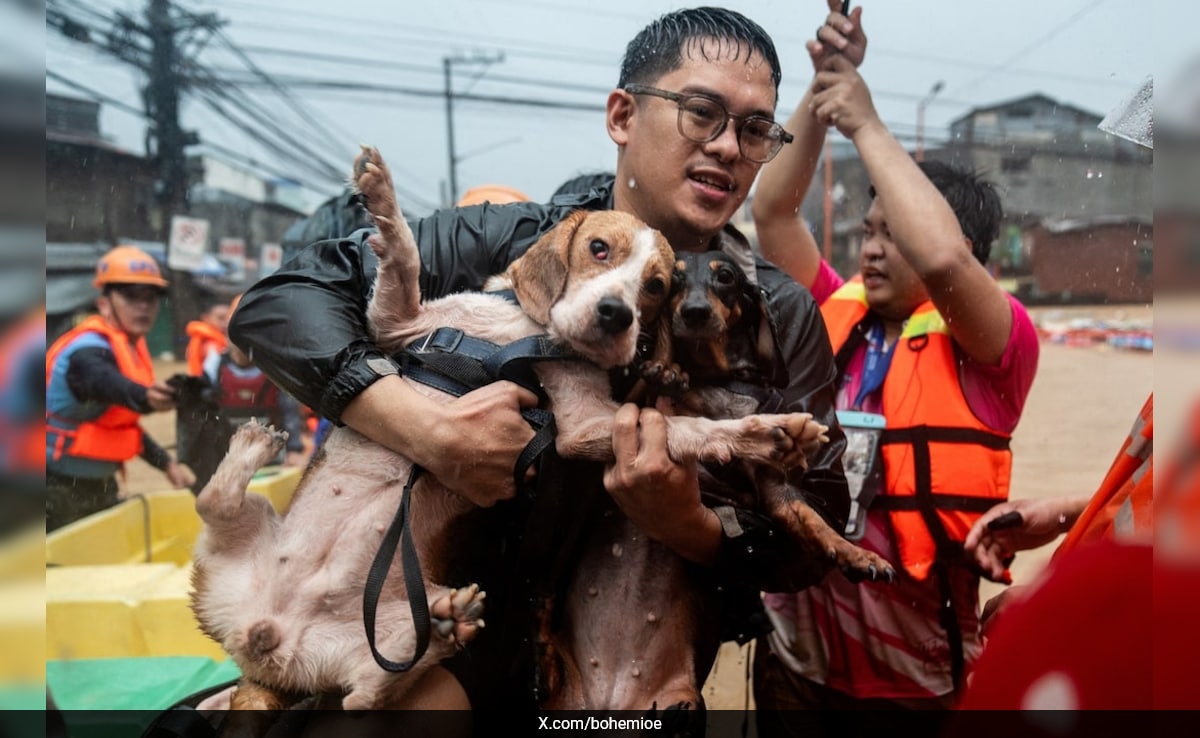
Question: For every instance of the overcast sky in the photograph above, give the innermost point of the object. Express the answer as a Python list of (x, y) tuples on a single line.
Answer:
[(1090, 54)]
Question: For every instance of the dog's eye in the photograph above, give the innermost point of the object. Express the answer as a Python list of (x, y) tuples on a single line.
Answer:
[(599, 250), (725, 276), (656, 287)]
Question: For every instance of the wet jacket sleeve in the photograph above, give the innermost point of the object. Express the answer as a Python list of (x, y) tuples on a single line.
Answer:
[(93, 376), (306, 327), (154, 454), (753, 545)]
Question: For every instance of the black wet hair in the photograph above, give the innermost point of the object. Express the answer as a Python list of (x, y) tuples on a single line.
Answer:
[(660, 46), (974, 201)]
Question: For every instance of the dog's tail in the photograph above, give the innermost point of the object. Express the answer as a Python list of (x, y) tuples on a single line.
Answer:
[(262, 638)]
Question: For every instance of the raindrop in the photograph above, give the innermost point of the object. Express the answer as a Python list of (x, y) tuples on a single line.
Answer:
[(632, 183), (617, 550), (651, 618)]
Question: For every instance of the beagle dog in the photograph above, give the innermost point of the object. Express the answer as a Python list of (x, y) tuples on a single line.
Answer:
[(284, 594)]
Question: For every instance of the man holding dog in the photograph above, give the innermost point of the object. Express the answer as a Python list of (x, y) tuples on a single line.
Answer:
[(692, 118), (936, 360)]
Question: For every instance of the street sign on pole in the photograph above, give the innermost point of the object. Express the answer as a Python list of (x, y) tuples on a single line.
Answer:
[(188, 244)]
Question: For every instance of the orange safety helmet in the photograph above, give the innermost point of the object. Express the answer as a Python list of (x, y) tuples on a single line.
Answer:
[(495, 194), (128, 265)]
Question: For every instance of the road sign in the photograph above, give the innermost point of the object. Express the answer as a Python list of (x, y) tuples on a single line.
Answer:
[(189, 242)]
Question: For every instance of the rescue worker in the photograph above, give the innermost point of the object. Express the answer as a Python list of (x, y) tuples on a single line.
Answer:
[(99, 382), (935, 361), (206, 335)]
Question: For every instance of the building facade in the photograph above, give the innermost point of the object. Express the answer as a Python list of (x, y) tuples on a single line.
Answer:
[(1052, 166)]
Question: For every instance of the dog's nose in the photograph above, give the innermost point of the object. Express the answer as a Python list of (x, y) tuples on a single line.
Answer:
[(615, 315), (695, 315)]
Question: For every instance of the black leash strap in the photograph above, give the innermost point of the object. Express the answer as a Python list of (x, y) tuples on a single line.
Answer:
[(543, 438), (398, 533)]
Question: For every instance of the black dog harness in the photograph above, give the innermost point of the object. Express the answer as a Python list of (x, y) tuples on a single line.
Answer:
[(455, 363)]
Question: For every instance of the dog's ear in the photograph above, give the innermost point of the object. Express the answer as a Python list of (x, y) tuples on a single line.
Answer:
[(540, 275)]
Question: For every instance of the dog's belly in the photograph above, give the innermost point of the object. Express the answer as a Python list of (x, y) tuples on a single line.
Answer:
[(633, 620), (289, 605)]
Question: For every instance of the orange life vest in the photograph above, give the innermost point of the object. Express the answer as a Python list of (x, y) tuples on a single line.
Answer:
[(202, 336), (115, 435), (943, 467), (1122, 506)]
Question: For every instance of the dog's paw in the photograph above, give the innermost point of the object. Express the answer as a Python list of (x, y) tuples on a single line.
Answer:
[(373, 180), (262, 442), (663, 379), (858, 564), (784, 440), (821, 543), (458, 616)]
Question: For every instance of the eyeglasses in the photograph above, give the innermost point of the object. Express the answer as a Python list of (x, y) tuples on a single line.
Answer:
[(702, 119)]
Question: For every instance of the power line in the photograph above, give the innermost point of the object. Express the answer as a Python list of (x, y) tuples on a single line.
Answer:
[(1070, 21)]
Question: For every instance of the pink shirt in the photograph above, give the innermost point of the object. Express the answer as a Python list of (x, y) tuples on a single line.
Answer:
[(873, 640)]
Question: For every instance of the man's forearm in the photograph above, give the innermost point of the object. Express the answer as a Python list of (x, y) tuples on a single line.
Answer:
[(385, 407), (696, 537)]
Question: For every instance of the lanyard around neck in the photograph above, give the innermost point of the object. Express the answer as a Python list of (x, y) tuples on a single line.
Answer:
[(875, 367)]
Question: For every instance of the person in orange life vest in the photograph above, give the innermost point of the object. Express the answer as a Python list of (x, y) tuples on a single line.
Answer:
[(99, 382), (939, 359), (207, 335)]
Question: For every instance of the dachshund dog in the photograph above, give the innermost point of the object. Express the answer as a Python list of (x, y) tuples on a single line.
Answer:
[(722, 344), (284, 595)]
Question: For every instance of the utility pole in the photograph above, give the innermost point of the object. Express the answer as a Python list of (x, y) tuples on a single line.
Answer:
[(161, 46), (167, 141), (448, 80)]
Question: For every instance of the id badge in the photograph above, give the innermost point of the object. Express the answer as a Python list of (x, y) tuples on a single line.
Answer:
[(863, 464)]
